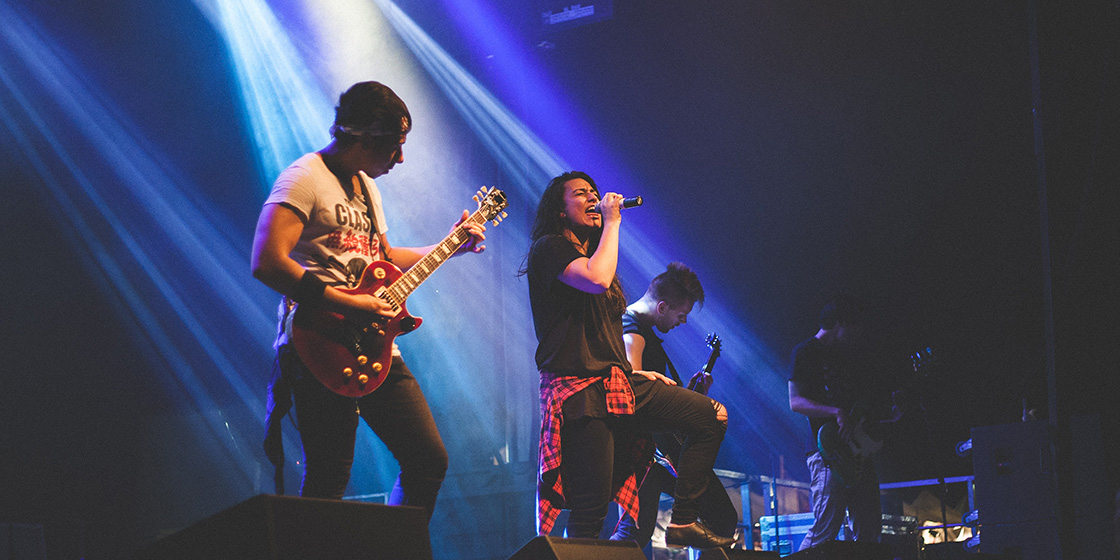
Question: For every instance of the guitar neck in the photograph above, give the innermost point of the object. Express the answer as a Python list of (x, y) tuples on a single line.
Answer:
[(409, 281), (710, 365), (714, 344)]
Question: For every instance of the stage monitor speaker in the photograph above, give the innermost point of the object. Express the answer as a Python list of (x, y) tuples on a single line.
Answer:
[(556, 548), (269, 527), (844, 550), (737, 554)]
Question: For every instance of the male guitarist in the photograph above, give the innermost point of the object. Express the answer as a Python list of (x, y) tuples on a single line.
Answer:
[(826, 381), (666, 305), (320, 227)]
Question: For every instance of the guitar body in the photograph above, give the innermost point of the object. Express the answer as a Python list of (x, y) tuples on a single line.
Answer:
[(851, 461), (349, 357)]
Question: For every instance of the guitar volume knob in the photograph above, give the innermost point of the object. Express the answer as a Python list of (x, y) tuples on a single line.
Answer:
[(363, 379), (376, 367), (347, 373), (362, 360)]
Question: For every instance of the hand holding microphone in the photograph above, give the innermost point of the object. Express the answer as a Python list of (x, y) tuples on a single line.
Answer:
[(631, 202)]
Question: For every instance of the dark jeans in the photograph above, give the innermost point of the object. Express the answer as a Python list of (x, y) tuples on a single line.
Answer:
[(831, 499), (588, 451), (398, 414), (716, 509)]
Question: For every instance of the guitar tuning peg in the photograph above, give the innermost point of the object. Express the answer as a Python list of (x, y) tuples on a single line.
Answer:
[(504, 215), (475, 198), (495, 222)]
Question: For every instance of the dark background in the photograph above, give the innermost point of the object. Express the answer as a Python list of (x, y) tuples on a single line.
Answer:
[(792, 149)]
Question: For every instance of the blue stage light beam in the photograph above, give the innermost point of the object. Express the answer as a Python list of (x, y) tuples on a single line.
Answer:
[(519, 80), (127, 213), (528, 161), (283, 106)]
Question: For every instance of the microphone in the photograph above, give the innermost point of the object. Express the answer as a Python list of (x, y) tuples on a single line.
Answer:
[(631, 202)]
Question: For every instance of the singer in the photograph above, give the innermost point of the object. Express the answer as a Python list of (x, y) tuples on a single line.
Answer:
[(596, 411)]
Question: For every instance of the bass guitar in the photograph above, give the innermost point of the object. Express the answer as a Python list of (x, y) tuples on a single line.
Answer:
[(851, 460), (351, 356)]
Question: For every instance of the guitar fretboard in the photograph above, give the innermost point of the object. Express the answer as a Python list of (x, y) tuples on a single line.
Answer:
[(409, 281)]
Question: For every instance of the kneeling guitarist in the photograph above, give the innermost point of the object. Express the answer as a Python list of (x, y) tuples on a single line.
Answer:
[(666, 305), (827, 383)]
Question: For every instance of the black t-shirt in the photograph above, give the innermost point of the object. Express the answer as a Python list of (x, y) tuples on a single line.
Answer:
[(826, 375), (654, 357), (576, 332)]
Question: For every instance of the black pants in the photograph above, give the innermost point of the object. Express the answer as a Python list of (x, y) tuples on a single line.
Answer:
[(588, 450), (398, 414)]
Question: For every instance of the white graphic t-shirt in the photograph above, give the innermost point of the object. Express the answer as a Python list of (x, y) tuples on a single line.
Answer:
[(338, 240)]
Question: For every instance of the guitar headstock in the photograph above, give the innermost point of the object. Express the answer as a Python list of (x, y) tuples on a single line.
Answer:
[(491, 204), (714, 343), (923, 360)]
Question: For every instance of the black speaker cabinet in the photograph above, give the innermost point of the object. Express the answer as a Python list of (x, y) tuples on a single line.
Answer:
[(1016, 494), (844, 550), (269, 527), (556, 548), (737, 554)]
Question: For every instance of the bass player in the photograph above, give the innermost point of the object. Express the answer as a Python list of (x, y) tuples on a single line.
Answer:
[(827, 380)]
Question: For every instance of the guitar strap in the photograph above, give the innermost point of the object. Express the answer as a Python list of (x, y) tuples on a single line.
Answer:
[(672, 370), (382, 255), (659, 453)]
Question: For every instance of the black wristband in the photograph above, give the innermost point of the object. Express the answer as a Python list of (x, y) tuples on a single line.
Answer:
[(310, 289)]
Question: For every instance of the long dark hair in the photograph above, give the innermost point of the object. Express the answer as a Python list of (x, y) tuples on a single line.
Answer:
[(550, 222)]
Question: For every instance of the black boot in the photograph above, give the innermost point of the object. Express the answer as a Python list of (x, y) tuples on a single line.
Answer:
[(695, 535)]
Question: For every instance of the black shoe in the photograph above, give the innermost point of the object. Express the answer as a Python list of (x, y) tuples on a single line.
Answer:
[(695, 536)]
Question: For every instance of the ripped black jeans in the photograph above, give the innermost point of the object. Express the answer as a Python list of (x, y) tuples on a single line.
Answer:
[(588, 448)]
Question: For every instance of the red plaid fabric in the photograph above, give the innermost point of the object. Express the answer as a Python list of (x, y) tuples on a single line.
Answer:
[(550, 487)]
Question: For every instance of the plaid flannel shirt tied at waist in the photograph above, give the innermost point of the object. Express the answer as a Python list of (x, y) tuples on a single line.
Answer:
[(555, 389)]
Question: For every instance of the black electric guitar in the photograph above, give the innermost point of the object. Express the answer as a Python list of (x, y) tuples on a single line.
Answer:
[(714, 345), (669, 448), (851, 460), (352, 357)]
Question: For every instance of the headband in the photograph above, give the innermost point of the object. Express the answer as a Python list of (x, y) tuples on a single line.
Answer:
[(371, 130)]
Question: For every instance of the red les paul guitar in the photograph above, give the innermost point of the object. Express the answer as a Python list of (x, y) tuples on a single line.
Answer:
[(352, 357)]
